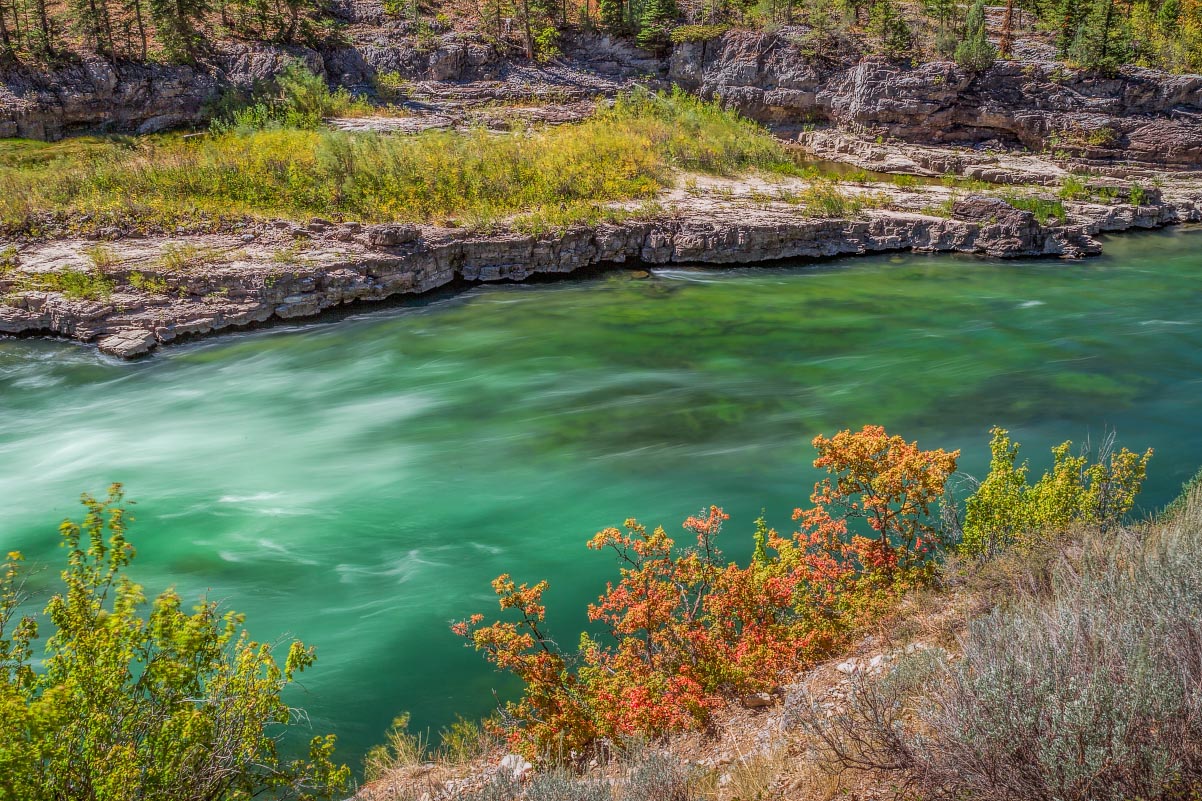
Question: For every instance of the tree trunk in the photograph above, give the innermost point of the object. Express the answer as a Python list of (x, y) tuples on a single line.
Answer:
[(526, 29), (6, 44), (1007, 30), (141, 27)]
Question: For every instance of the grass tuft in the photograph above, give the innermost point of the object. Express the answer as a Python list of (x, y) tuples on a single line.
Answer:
[(629, 151), (75, 284)]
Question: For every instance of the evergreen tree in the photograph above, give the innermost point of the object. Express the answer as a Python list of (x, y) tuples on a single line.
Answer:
[(1102, 41), (823, 17), (613, 15), (856, 9), (1068, 16), (91, 21), (175, 21), (40, 35), (942, 12), (888, 30), (133, 11), (654, 22), (975, 52), (8, 44)]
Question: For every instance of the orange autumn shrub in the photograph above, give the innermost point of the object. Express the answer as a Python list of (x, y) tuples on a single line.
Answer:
[(685, 630)]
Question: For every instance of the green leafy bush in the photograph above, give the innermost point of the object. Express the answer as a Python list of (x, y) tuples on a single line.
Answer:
[(133, 700), (147, 283), (1006, 509), (76, 284), (296, 98)]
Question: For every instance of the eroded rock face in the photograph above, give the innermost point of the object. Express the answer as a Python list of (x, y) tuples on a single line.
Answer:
[(96, 95), (145, 98), (1142, 115), (346, 263)]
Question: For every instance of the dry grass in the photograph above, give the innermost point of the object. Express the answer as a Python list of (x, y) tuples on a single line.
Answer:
[(628, 152), (1077, 677)]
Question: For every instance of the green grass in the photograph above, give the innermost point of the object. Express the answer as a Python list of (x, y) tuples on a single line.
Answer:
[(628, 152), (1044, 210), (147, 283), (825, 199), (1074, 187), (101, 256), (177, 258), (76, 284)]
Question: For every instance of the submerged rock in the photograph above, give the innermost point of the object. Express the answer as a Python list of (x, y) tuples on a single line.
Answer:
[(128, 343)]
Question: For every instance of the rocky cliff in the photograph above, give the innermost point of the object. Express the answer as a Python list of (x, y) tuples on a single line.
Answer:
[(1138, 115), (95, 95), (1039, 105)]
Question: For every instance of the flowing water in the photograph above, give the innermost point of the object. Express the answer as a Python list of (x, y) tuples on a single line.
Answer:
[(358, 482)]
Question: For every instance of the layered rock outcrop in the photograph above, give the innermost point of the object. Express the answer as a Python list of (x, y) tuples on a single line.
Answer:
[(1139, 115), (243, 281), (96, 95), (780, 78)]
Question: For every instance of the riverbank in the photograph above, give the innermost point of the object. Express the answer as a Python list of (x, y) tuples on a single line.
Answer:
[(134, 294)]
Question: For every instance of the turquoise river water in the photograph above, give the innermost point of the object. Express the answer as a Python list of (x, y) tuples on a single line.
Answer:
[(357, 482)]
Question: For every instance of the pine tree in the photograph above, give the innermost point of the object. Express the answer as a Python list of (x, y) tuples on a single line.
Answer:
[(942, 12), (613, 15), (8, 43), (40, 34), (1069, 15), (92, 22), (653, 24), (175, 21), (1102, 40), (134, 8), (975, 52), (889, 30)]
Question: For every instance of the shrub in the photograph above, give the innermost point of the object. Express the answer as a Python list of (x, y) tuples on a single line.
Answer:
[(147, 283), (296, 98), (1088, 690), (975, 52), (696, 33), (392, 87), (685, 629), (101, 256), (564, 785), (8, 259), (906, 182), (135, 702), (657, 776), (1005, 509)]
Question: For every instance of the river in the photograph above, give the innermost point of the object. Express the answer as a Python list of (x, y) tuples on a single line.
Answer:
[(358, 481)]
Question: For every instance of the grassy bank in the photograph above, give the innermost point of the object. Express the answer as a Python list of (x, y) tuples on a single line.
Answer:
[(624, 153)]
